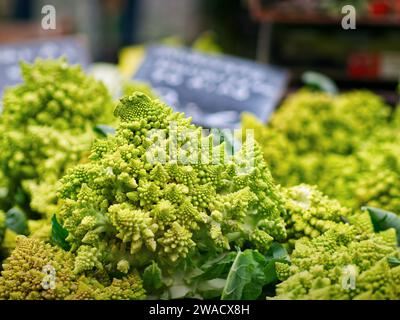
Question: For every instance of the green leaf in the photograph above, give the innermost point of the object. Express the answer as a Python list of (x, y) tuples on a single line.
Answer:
[(383, 220), (16, 221), (217, 268), (152, 278), (393, 261), (59, 234), (210, 277), (251, 272), (319, 82), (246, 277), (277, 253), (104, 130), (211, 289)]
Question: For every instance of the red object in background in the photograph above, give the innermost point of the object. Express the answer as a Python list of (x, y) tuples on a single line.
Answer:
[(381, 7), (364, 66)]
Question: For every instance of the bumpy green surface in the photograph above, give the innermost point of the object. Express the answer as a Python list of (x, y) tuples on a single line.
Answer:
[(46, 127), (39, 271), (122, 210), (347, 145), (309, 213), (342, 264), (322, 123), (55, 95), (169, 221)]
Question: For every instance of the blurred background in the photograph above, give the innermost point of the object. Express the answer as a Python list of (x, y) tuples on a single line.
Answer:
[(298, 35)]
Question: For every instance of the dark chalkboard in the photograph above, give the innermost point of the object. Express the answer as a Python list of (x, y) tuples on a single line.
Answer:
[(212, 89), (74, 48)]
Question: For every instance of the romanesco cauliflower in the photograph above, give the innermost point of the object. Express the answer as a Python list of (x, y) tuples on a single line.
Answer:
[(342, 264), (309, 213), (122, 210), (332, 142), (46, 127), (39, 271)]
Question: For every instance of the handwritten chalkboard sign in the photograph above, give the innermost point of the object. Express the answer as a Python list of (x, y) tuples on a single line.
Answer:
[(212, 89), (74, 48)]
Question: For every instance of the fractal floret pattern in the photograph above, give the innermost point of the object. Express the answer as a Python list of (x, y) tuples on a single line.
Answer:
[(342, 264), (124, 210), (39, 271), (309, 213), (347, 145), (45, 128)]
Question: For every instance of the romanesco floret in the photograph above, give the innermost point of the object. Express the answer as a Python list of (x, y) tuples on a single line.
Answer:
[(122, 209), (379, 188), (319, 122), (55, 95), (36, 270), (46, 127), (330, 141), (309, 213), (378, 184), (342, 264), (128, 288), (369, 177)]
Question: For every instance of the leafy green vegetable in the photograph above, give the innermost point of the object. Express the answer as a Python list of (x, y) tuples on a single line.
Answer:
[(383, 220), (251, 271), (393, 261), (276, 253), (172, 211), (59, 234), (322, 268), (152, 278), (246, 277), (129, 228), (218, 267)]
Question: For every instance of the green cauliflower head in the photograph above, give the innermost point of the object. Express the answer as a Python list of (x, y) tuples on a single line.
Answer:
[(309, 212), (38, 271), (343, 264), (124, 209), (344, 144), (54, 94), (46, 127)]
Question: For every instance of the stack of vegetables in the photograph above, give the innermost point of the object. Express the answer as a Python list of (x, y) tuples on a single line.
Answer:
[(146, 211)]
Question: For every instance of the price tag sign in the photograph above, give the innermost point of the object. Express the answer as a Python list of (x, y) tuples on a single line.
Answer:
[(213, 89), (74, 48)]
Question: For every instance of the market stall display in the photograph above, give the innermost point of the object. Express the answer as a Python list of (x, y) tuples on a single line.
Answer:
[(157, 208)]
